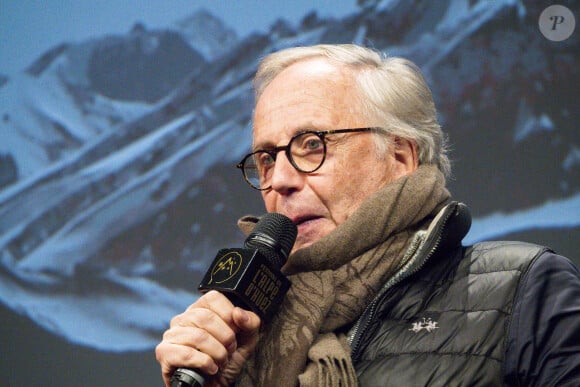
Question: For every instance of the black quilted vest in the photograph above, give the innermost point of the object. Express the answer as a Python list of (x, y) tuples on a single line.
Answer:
[(445, 322)]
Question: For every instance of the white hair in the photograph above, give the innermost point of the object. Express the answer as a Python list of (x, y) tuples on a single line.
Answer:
[(393, 92)]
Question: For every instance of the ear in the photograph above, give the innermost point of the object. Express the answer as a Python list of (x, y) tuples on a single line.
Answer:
[(406, 155)]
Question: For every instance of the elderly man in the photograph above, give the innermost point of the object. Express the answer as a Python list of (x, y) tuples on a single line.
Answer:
[(347, 145)]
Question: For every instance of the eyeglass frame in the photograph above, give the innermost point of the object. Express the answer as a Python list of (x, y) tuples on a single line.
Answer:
[(286, 148)]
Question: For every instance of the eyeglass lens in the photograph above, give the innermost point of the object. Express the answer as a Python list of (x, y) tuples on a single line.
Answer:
[(306, 152)]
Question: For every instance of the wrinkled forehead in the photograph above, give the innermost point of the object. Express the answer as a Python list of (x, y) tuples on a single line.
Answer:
[(313, 94)]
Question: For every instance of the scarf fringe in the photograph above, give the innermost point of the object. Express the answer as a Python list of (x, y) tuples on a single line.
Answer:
[(330, 364)]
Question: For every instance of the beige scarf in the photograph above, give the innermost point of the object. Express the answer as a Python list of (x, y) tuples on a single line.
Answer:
[(335, 278)]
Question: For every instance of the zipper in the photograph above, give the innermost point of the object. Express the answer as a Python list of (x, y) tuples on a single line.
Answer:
[(368, 314)]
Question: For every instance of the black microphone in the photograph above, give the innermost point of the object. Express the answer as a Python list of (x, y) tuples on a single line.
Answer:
[(249, 277)]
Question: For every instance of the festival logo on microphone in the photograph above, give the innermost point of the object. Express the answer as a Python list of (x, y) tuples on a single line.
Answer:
[(226, 267)]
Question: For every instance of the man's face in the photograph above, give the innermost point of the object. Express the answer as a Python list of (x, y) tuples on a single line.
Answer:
[(316, 95)]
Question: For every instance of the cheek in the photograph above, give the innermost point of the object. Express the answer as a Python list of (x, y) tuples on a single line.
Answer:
[(355, 185), (344, 195), (269, 201)]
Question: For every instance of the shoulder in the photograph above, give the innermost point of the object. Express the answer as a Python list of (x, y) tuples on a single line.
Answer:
[(543, 332), (545, 327), (503, 256)]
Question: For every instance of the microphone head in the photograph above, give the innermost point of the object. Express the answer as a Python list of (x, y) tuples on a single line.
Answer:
[(274, 235)]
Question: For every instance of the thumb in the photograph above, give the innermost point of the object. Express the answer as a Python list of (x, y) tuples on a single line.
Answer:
[(248, 324), (248, 329)]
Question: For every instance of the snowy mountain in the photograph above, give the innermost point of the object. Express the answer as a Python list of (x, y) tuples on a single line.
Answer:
[(117, 179)]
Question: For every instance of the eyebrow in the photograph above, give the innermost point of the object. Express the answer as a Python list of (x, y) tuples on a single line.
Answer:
[(264, 146), (268, 145)]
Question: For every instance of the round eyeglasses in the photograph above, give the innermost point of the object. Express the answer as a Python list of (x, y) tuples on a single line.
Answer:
[(306, 151)]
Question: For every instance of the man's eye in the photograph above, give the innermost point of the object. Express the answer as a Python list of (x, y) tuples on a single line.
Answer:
[(313, 144), (307, 143), (265, 159)]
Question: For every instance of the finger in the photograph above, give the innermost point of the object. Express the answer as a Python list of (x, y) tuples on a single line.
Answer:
[(171, 356), (246, 321), (248, 334), (218, 303), (208, 321), (200, 340)]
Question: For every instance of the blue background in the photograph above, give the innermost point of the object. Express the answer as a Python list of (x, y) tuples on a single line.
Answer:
[(121, 122)]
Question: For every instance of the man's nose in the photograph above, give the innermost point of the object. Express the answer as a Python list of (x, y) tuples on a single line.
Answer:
[(285, 177)]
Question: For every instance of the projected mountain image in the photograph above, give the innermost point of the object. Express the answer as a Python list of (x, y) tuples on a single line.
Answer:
[(117, 178)]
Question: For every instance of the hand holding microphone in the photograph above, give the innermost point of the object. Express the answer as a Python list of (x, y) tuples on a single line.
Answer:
[(216, 335)]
